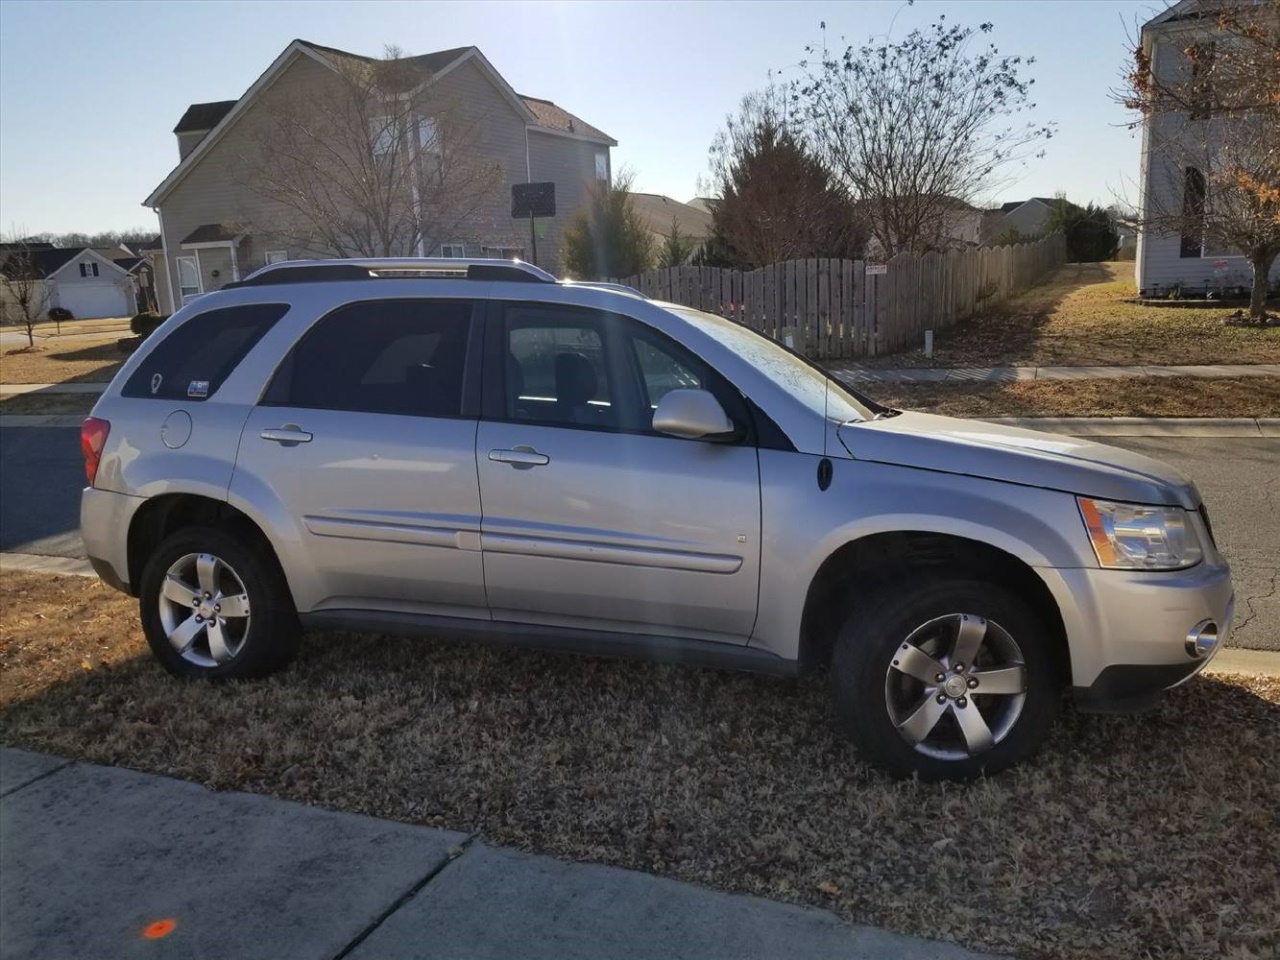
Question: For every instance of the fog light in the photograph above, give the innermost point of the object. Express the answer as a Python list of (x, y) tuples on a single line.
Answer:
[(1202, 640)]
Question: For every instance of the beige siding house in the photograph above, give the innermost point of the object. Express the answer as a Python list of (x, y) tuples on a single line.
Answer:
[(1167, 260), (216, 228)]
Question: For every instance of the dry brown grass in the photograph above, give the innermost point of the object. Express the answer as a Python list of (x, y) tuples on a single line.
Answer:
[(1079, 318), (1120, 397), (62, 361), (1156, 836), (47, 403)]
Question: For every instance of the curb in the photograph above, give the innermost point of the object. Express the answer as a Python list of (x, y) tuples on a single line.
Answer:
[(24, 389), (1205, 427), (34, 563), (41, 419), (1255, 663)]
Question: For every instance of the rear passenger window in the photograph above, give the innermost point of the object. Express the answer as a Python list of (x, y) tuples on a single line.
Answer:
[(192, 362), (402, 357)]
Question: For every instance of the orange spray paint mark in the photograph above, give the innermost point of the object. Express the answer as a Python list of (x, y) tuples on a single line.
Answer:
[(159, 930)]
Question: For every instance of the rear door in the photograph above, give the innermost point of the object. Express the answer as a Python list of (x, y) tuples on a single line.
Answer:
[(591, 519), (365, 439)]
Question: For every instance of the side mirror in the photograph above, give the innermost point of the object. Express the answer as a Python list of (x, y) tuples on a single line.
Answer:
[(693, 415)]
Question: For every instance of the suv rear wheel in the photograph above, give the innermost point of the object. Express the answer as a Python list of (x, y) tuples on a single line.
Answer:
[(947, 679), (214, 609)]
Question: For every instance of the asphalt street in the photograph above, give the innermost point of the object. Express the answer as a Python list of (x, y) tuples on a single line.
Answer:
[(41, 475)]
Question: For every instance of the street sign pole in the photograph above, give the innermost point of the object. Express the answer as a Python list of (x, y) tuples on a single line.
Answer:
[(533, 237)]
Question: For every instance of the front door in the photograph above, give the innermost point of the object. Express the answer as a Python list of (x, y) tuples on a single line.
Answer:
[(591, 519), (363, 439)]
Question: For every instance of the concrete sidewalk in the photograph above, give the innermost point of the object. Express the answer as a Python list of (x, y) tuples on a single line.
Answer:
[(102, 862), (855, 373)]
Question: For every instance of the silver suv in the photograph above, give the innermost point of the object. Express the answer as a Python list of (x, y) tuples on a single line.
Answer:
[(472, 449)]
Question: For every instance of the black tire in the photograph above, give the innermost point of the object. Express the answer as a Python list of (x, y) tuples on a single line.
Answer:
[(874, 634), (269, 640)]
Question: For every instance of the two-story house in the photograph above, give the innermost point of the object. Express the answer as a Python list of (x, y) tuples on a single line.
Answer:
[(217, 224), (1179, 152)]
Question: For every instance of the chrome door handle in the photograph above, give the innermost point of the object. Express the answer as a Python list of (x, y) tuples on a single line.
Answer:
[(522, 458), (289, 435)]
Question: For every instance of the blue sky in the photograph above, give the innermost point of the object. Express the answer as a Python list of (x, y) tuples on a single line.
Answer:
[(90, 91)]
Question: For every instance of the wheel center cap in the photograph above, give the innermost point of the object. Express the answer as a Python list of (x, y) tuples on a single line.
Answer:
[(206, 610), (955, 687)]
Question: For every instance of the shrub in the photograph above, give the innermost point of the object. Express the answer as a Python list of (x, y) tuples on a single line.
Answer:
[(144, 324), (60, 314)]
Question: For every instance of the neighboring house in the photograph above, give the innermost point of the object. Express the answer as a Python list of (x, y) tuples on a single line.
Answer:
[(958, 225), (1168, 260), (659, 212), (1027, 217), (80, 280), (211, 222)]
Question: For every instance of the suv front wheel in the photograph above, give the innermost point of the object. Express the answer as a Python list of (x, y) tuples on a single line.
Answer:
[(946, 679), (213, 609)]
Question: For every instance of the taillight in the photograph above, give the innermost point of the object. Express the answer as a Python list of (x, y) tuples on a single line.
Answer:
[(93, 437)]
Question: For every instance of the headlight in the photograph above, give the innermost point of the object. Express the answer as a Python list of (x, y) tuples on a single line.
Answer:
[(1130, 537)]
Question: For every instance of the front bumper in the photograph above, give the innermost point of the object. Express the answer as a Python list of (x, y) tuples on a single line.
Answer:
[(1133, 634)]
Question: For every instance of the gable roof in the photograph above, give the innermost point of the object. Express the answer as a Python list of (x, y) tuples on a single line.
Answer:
[(553, 119), (203, 116), (658, 212), (47, 263), (129, 264), (1015, 204), (44, 261)]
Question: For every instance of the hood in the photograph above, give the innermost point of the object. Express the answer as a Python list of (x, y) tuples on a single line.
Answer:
[(976, 449)]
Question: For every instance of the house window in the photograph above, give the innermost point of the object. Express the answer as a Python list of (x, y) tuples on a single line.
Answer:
[(453, 250), (1200, 95), (277, 256), (1193, 203), (502, 253), (88, 269), (382, 135), (602, 165), (429, 135), (188, 277)]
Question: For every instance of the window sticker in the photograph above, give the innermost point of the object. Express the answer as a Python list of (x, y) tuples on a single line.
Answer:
[(156, 380), (198, 388)]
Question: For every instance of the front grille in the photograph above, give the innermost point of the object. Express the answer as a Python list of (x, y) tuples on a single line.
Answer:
[(1204, 515)]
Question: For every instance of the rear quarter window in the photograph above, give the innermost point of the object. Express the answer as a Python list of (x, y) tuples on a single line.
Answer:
[(193, 361)]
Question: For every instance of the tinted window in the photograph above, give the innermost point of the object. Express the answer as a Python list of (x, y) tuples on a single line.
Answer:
[(402, 357), (192, 362), (556, 370)]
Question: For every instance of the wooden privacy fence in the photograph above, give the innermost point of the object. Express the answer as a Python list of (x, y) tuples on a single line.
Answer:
[(834, 309)]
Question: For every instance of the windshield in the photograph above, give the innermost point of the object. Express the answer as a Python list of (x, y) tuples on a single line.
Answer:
[(805, 381)]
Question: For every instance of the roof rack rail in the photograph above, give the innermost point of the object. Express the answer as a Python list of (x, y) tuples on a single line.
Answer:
[(376, 268)]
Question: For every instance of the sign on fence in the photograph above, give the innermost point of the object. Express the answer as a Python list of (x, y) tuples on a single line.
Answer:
[(877, 269)]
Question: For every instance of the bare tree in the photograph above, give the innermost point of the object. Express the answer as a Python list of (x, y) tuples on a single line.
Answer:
[(918, 125), (376, 163), (1213, 131), (23, 290), (776, 199)]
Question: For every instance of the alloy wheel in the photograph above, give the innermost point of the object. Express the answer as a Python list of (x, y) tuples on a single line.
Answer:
[(204, 609), (956, 686)]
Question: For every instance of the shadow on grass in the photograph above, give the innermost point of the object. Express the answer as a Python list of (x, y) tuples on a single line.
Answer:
[(105, 352), (1102, 847)]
